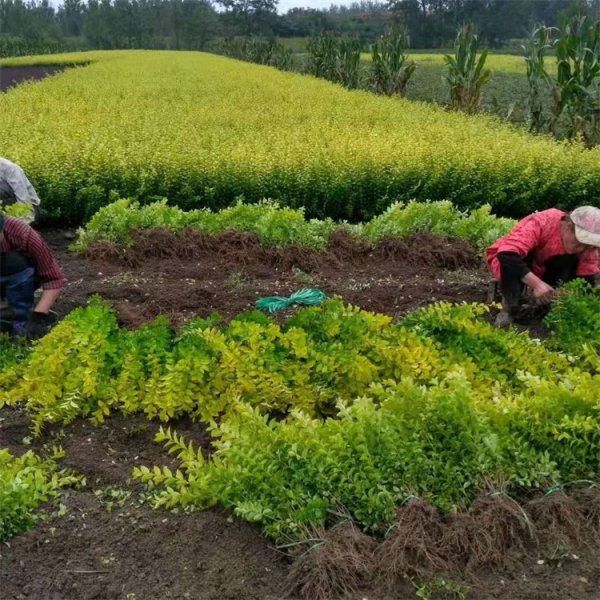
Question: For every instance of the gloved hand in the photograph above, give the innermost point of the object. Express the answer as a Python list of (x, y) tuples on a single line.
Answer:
[(40, 324)]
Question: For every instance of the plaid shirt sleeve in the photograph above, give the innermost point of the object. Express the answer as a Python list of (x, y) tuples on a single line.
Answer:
[(27, 240)]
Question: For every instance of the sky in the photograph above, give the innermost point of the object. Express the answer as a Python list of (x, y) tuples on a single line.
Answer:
[(285, 5)]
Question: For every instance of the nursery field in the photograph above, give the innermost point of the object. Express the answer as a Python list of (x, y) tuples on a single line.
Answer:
[(166, 439), (389, 443), (201, 130)]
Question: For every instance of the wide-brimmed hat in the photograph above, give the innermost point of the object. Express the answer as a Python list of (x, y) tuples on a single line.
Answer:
[(587, 225)]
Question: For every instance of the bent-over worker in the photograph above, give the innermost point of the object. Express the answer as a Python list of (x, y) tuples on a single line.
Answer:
[(26, 263), (544, 251), (15, 187)]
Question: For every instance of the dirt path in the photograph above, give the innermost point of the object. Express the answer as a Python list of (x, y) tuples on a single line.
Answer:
[(13, 76)]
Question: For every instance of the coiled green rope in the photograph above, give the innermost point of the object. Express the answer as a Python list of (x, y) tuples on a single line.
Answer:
[(305, 297)]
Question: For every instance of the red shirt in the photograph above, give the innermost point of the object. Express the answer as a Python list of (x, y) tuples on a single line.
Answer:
[(20, 237), (539, 234)]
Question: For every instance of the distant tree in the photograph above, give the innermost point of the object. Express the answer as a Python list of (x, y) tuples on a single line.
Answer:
[(249, 11), (71, 16), (432, 23)]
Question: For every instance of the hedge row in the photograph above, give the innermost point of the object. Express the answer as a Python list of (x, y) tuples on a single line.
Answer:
[(202, 130)]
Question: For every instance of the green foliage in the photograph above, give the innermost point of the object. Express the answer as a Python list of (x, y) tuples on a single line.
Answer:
[(337, 407), (575, 318), (573, 90), (23, 46), (503, 410), (87, 366), (465, 72), (348, 70), (25, 482), (334, 58), (67, 372), (323, 56), (400, 439), (391, 69), (279, 226), (18, 210), (11, 351), (539, 81), (576, 89), (479, 226), (431, 590)]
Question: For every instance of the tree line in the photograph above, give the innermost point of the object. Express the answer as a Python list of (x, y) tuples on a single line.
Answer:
[(27, 26)]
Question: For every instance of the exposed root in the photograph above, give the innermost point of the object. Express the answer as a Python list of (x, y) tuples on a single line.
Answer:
[(485, 537), (346, 248), (428, 249), (107, 252), (335, 567), (496, 534), (412, 546), (559, 520), (245, 248), (588, 500)]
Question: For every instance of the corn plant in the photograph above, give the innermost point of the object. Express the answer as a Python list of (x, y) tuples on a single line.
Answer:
[(539, 80), (576, 91), (465, 72), (390, 67), (263, 52), (323, 56), (348, 64)]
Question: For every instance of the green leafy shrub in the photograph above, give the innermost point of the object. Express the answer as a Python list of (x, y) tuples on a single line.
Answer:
[(280, 226), (337, 407), (401, 439), (25, 482), (17, 210), (87, 366), (68, 371), (479, 227), (11, 351), (574, 318)]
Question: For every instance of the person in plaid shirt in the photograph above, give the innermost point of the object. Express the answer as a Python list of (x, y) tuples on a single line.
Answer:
[(543, 251), (26, 263)]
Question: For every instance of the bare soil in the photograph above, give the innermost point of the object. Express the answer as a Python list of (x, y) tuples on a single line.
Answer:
[(13, 76), (194, 274)]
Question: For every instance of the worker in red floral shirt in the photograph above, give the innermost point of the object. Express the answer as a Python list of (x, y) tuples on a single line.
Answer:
[(25, 264), (543, 251)]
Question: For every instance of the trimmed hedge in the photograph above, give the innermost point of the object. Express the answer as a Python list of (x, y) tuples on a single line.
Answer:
[(203, 130)]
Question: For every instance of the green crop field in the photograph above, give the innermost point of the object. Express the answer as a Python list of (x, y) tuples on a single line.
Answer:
[(202, 130)]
